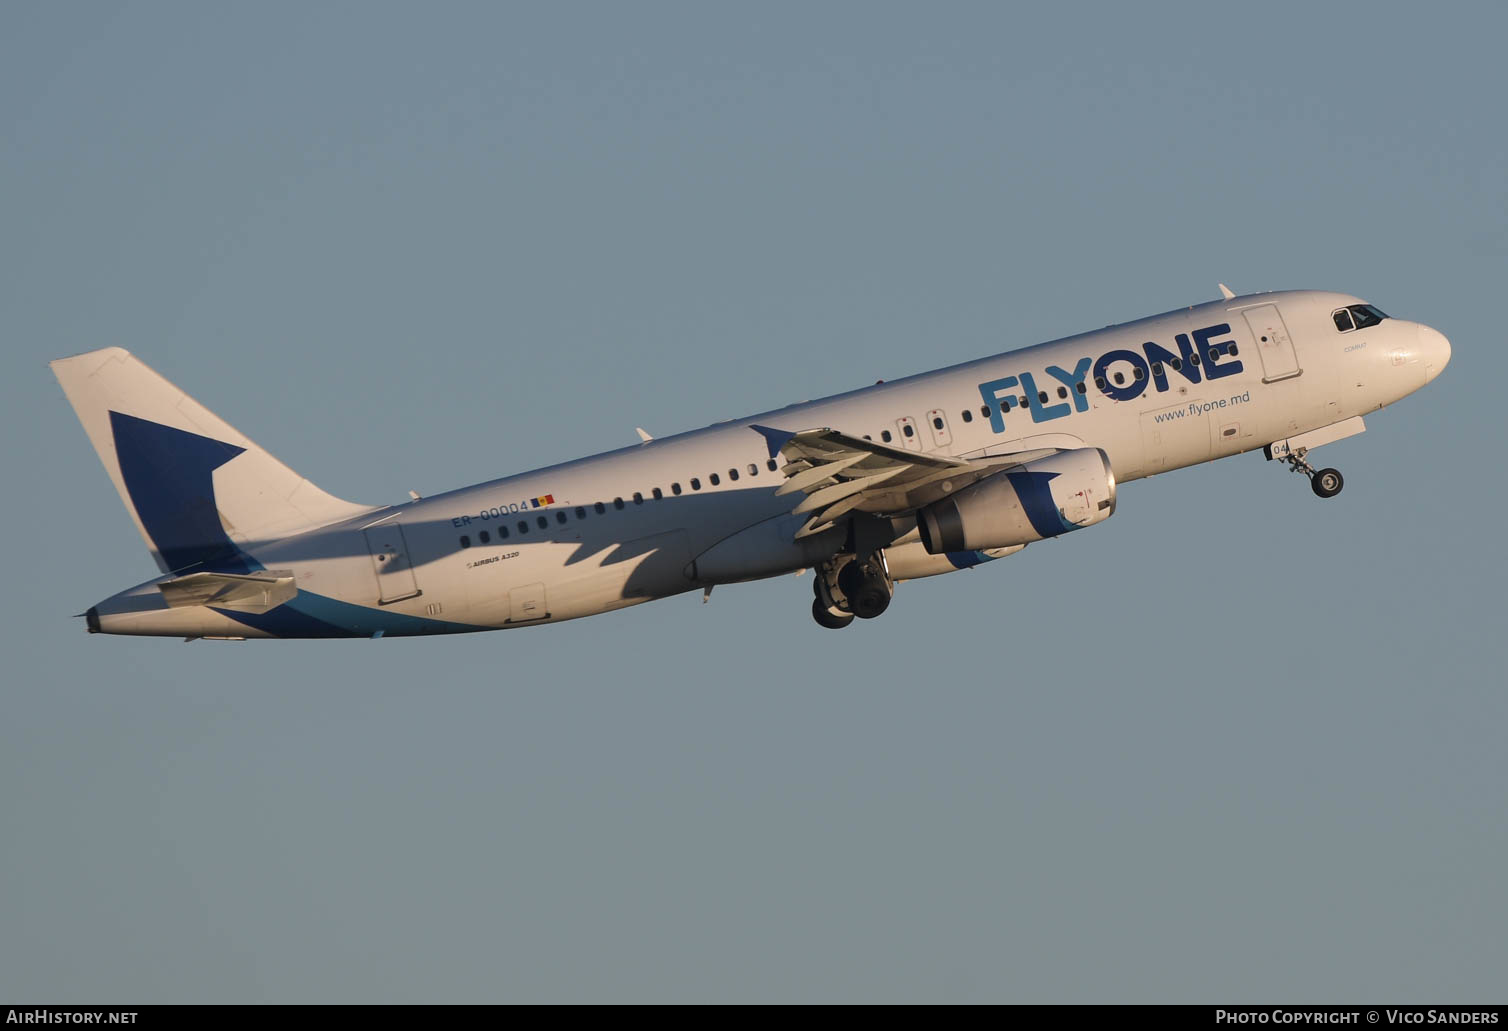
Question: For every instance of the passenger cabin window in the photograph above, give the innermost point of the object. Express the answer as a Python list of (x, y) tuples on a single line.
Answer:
[(502, 531), (560, 517), (714, 479), (465, 541), (675, 488), (638, 498), (696, 484), (771, 464), (523, 526), (968, 416), (658, 493), (732, 474), (753, 469), (484, 537), (599, 508), (544, 524), (580, 512), (618, 504), (885, 436)]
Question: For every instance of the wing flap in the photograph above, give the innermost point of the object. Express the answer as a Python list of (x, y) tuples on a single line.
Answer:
[(841, 474)]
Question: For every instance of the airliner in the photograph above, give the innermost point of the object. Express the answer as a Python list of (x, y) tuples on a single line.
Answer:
[(931, 474)]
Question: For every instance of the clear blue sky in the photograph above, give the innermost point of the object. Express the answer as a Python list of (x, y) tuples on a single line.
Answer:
[(1235, 743)]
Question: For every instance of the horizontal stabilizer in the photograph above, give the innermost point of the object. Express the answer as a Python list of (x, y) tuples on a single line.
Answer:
[(255, 592)]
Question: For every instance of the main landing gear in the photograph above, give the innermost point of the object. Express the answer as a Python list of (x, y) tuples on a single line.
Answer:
[(847, 587), (1326, 483)]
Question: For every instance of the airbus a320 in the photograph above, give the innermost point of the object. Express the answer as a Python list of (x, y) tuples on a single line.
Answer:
[(931, 474)]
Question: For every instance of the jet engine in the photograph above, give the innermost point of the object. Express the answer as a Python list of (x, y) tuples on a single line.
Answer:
[(1045, 498)]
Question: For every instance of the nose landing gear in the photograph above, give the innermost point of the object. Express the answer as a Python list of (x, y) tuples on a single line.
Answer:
[(1326, 483)]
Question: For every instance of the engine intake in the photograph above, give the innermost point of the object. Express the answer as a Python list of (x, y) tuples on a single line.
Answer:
[(1046, 498)]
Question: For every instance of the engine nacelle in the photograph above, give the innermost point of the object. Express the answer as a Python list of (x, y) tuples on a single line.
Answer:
[(1045, 498)]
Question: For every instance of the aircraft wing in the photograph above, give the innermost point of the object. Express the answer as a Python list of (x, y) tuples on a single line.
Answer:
[(840, 474)]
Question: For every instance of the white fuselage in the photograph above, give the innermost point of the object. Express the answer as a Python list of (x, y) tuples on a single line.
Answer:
[(700, 508)]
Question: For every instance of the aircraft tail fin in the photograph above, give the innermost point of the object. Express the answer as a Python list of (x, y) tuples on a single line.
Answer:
[(198, 489)]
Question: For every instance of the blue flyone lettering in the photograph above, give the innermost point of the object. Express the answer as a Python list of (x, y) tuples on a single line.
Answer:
[(1126, 391), (1162, 359), (1211, 351), (991, 393), (1073, 381), (1041, 412), (1207, 356)]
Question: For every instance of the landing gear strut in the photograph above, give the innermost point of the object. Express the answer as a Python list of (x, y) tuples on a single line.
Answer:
[(1326, 483)]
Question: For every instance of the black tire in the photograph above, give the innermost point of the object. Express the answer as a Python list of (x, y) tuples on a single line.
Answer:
[(867, 594), (851, 579), (827, 619), (870, 600), (1327, 483)]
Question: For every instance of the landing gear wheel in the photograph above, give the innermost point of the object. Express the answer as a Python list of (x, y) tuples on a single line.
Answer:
[(869, 601), (868, 594), (1327, 483), (826, 618)]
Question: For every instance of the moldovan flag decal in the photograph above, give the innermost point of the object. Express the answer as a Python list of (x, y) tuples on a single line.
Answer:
[(543, 499)]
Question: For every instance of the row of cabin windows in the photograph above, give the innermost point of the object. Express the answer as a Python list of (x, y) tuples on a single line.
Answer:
[(1007, 403), (562, 518)]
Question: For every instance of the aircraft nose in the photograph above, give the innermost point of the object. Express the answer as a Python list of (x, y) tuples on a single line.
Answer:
[(1435, 350)]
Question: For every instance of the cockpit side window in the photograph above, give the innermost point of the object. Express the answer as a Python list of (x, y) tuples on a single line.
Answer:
[(1357, 316)]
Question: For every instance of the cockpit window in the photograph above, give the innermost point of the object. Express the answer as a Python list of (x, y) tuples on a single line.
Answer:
[(1366, 315), (1357, 316)]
